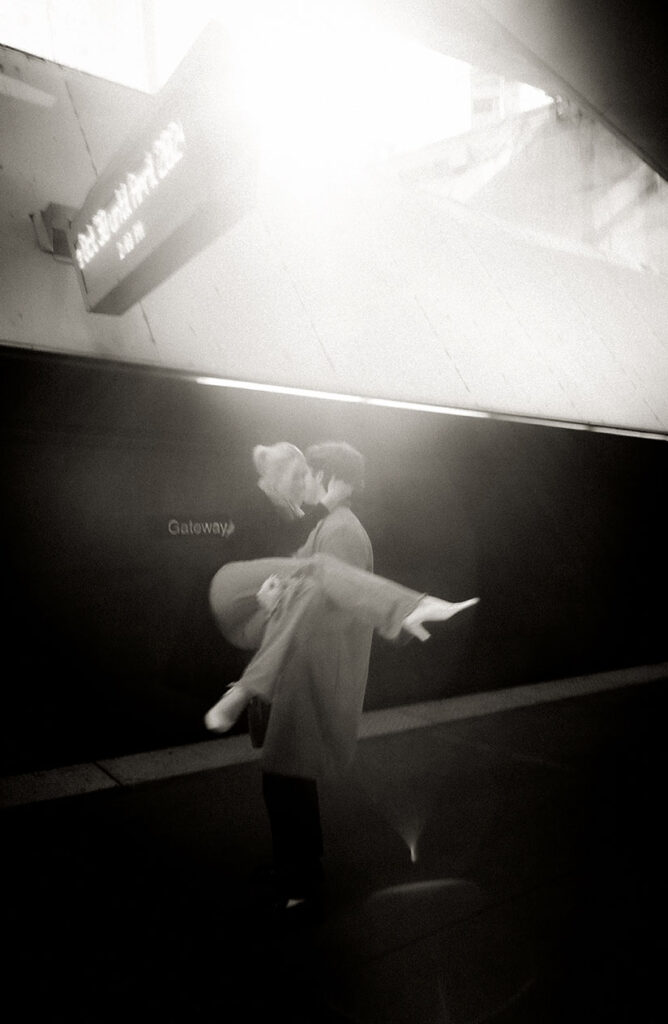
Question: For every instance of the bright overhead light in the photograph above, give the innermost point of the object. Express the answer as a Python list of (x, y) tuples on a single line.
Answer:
[(329, 92), (330, 96)]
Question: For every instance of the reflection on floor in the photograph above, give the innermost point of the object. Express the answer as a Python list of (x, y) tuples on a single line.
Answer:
[(491, 867)]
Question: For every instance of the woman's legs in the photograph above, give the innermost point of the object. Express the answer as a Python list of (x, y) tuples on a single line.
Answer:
[(372, 599), (381, 603), (259, 678), (378, 602)]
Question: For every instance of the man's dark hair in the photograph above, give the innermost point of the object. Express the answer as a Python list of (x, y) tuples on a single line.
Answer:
[(338, 459)]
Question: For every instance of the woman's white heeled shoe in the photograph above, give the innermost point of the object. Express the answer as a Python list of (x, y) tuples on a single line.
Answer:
[(222, 716), (433, 609)]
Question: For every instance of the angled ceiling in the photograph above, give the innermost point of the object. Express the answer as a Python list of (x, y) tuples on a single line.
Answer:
[(302, 303), (606, 56)]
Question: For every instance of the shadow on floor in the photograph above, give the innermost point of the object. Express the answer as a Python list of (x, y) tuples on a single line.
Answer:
[(505, 870)]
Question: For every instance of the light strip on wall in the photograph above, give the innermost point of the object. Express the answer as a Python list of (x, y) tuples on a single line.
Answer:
[(444, 410)]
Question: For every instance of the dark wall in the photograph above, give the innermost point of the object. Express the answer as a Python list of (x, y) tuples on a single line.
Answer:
[(109, 644)]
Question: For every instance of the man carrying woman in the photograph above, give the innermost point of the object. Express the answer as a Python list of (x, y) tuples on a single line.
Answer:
[(310, 620)]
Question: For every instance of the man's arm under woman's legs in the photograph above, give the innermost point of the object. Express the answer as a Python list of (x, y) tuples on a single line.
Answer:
[(387, 606)]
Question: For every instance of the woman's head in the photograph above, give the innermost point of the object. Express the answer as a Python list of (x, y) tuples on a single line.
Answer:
[(282, 469)]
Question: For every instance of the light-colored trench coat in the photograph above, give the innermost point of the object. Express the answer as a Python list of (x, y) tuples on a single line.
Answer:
[(318, 699)]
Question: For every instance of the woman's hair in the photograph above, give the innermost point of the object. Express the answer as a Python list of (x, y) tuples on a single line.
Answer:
[(280, 467), (337, 459), (276, 458)]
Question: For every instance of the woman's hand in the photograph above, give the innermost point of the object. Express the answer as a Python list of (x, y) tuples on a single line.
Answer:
[(269, 593)]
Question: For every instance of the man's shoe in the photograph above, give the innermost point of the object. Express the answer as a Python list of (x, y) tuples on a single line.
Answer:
[(301, 912)]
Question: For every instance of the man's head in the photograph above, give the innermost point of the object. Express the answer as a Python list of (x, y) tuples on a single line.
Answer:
[(333, 460)]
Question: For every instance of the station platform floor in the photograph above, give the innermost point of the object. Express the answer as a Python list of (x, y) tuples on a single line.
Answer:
[(493, 859)]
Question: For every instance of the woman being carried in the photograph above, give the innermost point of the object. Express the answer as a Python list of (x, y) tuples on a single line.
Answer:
[(260, 605)]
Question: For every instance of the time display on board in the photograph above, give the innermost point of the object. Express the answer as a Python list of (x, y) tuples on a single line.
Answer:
[(183, 177), (117, 223)]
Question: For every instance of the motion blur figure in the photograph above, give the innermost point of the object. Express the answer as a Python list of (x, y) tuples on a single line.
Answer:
[(312, 621)]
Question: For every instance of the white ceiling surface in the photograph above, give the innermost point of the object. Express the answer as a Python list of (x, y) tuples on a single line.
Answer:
[(50, 151), (409, 297), (387, 292), (607, 55), (107, 38)]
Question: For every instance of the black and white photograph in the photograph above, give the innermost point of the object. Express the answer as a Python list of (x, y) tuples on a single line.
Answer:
[(333, 476)]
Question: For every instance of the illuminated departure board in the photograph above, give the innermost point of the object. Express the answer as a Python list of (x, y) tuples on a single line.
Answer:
[(183, 177)]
